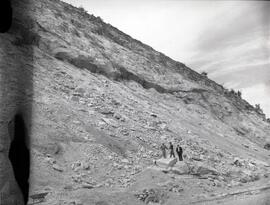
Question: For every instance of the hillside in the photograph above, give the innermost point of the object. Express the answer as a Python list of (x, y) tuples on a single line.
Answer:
[(102, 103)]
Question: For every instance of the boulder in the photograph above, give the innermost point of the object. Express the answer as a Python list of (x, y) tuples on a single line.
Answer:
[(166, 162), (200, 169), (238, 162), (180, 168)]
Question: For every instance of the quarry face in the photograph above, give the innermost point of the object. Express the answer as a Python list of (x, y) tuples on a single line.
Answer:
[(97, 105)]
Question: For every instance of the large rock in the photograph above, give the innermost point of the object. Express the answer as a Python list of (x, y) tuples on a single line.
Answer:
[(166, 162), (201, 168), (180, 168)]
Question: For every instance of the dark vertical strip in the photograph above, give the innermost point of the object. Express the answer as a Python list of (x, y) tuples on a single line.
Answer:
[(5, 15), (16, 91), (19, 155)]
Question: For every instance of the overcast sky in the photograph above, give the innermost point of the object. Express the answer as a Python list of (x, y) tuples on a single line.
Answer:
[(228, 39)]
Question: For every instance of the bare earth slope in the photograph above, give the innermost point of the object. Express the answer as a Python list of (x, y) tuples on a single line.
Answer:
[(104, 102)]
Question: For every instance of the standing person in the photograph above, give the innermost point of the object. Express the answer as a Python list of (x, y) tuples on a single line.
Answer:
[(179, 152), (171, 150), (163, 150)]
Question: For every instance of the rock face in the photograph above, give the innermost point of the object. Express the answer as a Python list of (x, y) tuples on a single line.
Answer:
[(98, 104)]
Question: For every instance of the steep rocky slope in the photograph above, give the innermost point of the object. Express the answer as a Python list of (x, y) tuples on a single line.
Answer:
[(103, 102)]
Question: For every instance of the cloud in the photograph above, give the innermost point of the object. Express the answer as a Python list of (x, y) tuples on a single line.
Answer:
[(236, 23), (250, 75)]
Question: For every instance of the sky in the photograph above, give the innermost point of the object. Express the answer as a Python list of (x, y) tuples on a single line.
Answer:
[(230, 40)]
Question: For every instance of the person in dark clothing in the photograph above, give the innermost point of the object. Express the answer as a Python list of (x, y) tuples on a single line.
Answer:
[(163, 150), (179, 152), (171, 150)]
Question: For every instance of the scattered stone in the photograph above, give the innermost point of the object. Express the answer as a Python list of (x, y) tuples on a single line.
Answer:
[(238, 162), (68, 187), (124, 161), (235, 183), (75, 99), (267, 146), (86, 166), (163, 126), (245, 145), (80, 91), (117, 116), (172, 187), (217, 183), (50, 160), (200, 168), (105, 111), (76, 166), (110, 122), (87, 186), (57, 168), (152, 196)]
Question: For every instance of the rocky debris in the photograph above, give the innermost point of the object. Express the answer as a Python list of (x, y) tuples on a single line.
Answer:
[(153, 195), (88, 186), (80, 166), (38, 197), (84, 181), (242, 175), (80, 92), (106, 111), (248, 177), (244, 163), (58, 167), (74, 203), (200, 169), (172, 187), (125, 161), (238, 162), (267, 146)]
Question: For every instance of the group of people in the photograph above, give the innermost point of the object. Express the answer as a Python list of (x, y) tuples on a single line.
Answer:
[(178, 150)]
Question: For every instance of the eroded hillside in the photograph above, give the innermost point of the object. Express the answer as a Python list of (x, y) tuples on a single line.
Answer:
[(102, 104)]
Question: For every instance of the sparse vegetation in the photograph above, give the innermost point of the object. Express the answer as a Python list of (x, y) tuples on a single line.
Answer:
[(82, 9), (239, 93), (204, 74), (258, 108)]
